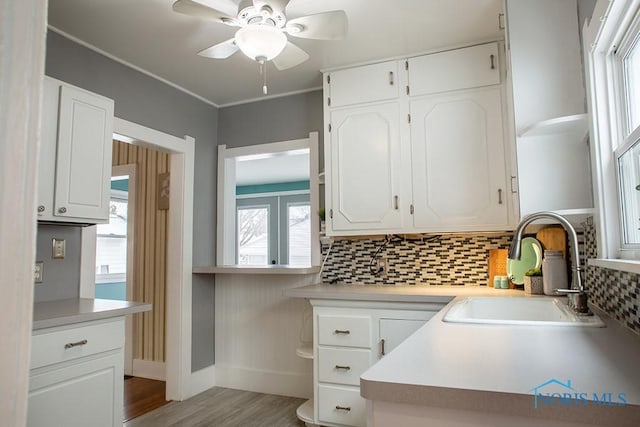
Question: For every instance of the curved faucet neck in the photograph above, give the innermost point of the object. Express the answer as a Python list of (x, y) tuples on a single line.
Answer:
[(514, 250)]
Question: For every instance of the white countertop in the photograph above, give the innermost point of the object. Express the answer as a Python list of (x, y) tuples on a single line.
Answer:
[(255, 269), (64, 312), (494, 368), (395, 293)]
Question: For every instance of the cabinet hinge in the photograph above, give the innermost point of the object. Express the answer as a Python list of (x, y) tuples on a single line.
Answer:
[(328, 78), (331, 213), (329, 101), (411, 209), (408, 91), (406, 65), (408, 118), (329, 127)]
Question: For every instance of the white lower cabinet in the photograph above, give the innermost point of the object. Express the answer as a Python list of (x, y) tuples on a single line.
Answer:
[(349, 337), (77, 375)]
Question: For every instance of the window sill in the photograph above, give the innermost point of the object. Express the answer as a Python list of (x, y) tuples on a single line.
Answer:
[(630, 266), (267, 269)]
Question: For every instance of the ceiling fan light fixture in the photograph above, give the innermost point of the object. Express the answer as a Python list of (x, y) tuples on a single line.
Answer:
[(260, 41)]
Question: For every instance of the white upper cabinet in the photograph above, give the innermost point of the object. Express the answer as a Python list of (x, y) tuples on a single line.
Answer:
[(75, 155), (458, 161), (377, 82), (430, 157), (364, 168), (465, 68)]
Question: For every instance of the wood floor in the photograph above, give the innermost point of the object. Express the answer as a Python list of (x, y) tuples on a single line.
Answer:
[(142, 395), (223, 407)]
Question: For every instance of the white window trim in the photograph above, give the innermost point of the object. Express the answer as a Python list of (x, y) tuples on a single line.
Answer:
[(226, 226), (609, 21)]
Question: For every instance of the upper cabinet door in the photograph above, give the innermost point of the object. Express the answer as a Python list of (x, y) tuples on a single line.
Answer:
[(376, 82), (470, 67), (364, 170), (83, 167), (458, 161)]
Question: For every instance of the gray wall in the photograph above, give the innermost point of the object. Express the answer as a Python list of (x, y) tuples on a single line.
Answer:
[(151, 103), (61, 277), (272, 120)]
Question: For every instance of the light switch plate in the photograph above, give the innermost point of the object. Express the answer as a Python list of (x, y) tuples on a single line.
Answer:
[(58, 249), (38, 272)]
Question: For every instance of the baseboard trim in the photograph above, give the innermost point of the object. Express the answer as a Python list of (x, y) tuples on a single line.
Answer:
[(149, 369), (263, 381), (202, 380)]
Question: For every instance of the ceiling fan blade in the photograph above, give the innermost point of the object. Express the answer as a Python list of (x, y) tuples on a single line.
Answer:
[(277, 6), (189, 7), (221, 50), (291, 56), (322, 26)]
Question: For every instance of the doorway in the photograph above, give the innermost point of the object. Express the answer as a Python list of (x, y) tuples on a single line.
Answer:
[(115, 249), (146, 251)]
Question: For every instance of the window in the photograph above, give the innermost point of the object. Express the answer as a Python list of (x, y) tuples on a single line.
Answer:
[(274, 230), (614, 82), (111, 249)]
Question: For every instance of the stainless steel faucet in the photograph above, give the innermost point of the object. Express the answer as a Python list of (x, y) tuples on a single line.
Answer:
[(577, 294)]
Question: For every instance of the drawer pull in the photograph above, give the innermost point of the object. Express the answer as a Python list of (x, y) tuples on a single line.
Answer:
[(343, 408), (75, 344), (342, 331), (343, 368)]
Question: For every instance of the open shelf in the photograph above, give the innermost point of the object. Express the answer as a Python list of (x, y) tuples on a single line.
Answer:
[(574, 124), (305, 411), (305, 352)]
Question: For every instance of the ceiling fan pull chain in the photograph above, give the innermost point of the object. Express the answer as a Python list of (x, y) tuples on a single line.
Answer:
[(263, 71)]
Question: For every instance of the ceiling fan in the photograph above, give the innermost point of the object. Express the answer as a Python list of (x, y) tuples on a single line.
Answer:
[(263, 30)]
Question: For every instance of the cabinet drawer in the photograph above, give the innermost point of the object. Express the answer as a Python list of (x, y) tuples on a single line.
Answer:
[(342, 365), (465, 68), (341, 405), (71, 343), (348, 331)]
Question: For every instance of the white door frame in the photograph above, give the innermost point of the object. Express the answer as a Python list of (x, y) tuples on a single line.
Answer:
[(179, 255), (22, 37), (130, 171)]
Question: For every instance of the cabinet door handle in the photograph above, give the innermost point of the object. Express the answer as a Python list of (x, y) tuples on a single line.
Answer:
[(513, 190), (75, 344), (343, 408), (493, 61), (343, 368), (62, 210), (395, 203), (41, 208), (382, 347), (391, 78), (342, 331), (499, 196)]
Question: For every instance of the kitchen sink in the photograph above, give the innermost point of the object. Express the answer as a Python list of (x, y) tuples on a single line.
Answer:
[(534, 311)]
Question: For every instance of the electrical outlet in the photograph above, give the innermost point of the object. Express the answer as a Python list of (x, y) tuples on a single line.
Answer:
[(38, 272), (381, 267), (58, 249)]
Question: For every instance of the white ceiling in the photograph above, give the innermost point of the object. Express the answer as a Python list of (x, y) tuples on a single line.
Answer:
[(150, 36), (276, 168)]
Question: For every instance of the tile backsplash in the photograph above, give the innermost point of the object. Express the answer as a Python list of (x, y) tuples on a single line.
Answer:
[(615, 292), (435, 260), (463, 260)]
